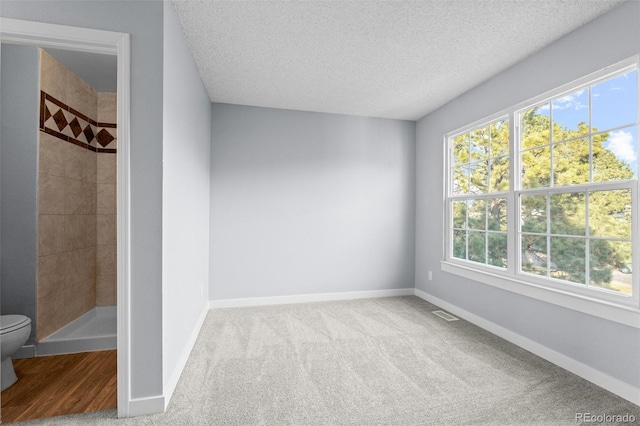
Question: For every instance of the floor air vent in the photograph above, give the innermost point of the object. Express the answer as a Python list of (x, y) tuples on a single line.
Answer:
[(445, 315)]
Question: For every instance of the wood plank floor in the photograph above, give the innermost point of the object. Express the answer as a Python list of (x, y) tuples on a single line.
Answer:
[(51, 386)]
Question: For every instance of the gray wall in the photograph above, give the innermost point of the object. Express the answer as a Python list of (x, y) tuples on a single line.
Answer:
[(144, 21), (99, 71), (18, 181), (606, 346), (185, 195), (305, 203)]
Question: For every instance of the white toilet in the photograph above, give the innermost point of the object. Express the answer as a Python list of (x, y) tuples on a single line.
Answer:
[(14, 332)]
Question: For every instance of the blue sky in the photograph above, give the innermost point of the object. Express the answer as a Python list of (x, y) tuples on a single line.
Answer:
[(614, 103)]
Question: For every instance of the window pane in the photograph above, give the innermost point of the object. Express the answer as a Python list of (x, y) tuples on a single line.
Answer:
[(615, 155), (479, 177), (459, 209), (497, 249), (499, 174), (497, 210), (461, 148), (533, 213), (610, 263), (567, 260), (568, 213), (477, 214), (499, 138), (615, 102), (460, 180), (477, 246), (571, 162), (570, 115), (460, 244), (536, 128), (534, 254), (536, 168), (610, 213), (479, 144)]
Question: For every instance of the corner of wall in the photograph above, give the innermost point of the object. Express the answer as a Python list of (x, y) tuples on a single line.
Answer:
[(174, 377)]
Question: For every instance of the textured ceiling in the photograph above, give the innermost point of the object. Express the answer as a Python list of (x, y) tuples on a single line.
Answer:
[(392, 59)]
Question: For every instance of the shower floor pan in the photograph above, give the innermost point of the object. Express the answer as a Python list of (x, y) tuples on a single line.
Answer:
[(93, 331)]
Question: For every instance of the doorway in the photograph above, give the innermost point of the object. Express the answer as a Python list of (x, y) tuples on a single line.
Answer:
[(110, 43)]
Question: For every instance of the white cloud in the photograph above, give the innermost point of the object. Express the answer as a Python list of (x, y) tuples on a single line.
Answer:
[(622, 145), (570, 105), (570, 101)]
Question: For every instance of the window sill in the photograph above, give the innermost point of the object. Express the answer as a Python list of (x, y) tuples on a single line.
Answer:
[(620, 313)]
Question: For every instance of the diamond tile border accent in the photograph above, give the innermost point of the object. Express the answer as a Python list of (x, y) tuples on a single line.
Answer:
[(64, 122)]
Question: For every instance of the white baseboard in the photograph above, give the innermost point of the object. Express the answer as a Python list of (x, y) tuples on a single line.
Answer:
[(26, 351), (147, 405), (305, 298), (171, 384), (612, 384)]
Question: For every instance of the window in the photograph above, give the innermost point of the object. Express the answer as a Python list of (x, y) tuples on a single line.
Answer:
[(480, 184), (546, 193)]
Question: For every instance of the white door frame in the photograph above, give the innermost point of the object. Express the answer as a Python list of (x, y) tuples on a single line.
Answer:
[(14, 31)]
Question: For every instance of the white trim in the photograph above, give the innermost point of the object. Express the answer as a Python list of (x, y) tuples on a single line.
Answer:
[(306, 298), (26, 351), (612, 384), (124, 229), (16, 31), (503, 114), (623, 314), (171, 384), (41, 34), (147, 405)]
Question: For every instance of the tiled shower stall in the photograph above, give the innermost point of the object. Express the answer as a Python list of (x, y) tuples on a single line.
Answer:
[(76, 198)]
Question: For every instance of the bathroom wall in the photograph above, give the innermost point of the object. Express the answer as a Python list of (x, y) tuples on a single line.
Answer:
[(18, 182), (74, 185)]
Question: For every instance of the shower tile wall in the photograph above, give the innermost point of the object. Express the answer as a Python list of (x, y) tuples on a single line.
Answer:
[(106, 209), (73, 229)]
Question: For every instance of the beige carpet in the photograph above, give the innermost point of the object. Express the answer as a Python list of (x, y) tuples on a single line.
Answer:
[(384, 361)]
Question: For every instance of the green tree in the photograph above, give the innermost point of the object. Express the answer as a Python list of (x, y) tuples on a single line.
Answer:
[(609, 211), (481, 166)]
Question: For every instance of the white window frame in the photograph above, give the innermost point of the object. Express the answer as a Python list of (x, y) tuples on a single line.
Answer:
[(602, 303)]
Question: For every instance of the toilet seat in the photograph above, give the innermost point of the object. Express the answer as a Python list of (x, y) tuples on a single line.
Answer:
[(9, 323)]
